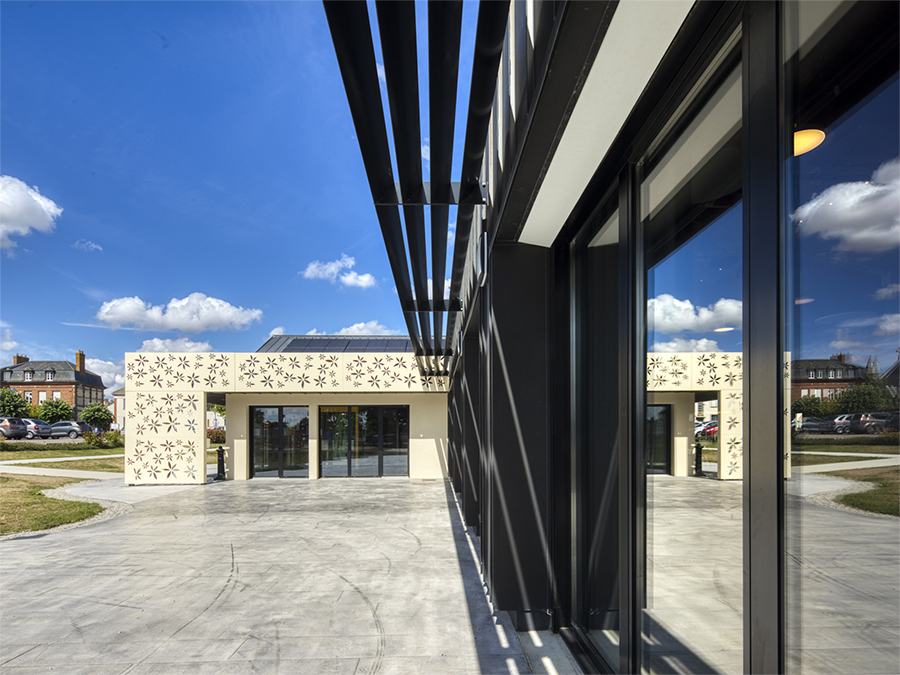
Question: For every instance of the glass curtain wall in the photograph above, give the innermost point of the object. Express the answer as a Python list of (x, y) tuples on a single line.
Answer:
[(691, 594), (841, 229), (595, 447)]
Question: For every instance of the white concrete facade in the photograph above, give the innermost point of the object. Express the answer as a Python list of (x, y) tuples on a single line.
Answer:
[(167, 397)]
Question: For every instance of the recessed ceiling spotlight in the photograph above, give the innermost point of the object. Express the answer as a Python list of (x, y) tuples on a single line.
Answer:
[(723, 329), (804, 301), (806, 140)]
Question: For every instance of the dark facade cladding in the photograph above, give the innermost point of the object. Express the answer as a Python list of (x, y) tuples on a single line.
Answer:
[(653, 230)]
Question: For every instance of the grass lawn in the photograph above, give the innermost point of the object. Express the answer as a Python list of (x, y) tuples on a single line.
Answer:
[(23, 507), (63, 450), (883, 499), (115, 464)]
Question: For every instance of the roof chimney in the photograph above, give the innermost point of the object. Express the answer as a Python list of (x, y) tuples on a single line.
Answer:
[(79, 361), (842, 358), (19, 358)]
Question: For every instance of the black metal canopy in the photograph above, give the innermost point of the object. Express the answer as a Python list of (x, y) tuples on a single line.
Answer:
[(351, 34)]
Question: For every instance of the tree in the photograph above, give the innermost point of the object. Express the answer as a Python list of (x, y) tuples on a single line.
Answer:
[(219, 410), (55, 410), (97, 415), (12, 404), (870, 396), (810, 406)]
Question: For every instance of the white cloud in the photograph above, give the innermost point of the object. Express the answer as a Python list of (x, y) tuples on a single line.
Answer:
[(887, 292), (277, 331), (451, 236), (426, 151), (7, 343), (379, 68), (113, 374), (182, 344), (358, 280), (863, 216), (682, 345), (888, 324), (315, 332), (86, 245), (667, 314), (331, 271), (367, 328), (23, 209), (194, 314)]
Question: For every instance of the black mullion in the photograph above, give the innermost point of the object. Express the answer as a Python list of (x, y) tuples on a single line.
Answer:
[(280, 441), (632, 394), (763, 512), (349, 444), (380, 441)]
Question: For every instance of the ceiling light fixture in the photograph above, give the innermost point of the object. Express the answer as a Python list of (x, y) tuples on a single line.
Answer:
[(723, 329), (806, 140), (803, 301)]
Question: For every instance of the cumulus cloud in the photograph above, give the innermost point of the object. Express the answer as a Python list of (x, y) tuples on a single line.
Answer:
[(379, 68), (277, 331), (194, 314), (7, 343), (333, 272), (113, 374), (667, 314), (887, 292), (182, 344), (426, 151), (367, 328), (888, 324), (23, 209), (86, 245), (451, 236), (315, 332), (863, 216), (683, 345)]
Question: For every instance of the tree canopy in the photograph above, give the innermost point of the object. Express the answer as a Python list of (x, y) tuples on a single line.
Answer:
[(97, 415), (12, 404), (55, 410)]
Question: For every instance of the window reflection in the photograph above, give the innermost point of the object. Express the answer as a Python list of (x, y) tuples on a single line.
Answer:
[(693, 453), (842, 232)]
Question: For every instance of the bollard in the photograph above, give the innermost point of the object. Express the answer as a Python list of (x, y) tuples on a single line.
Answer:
[(698, 460), (220, 475)]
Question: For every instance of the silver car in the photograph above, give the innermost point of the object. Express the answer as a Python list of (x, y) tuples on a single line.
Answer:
[(36, 428)]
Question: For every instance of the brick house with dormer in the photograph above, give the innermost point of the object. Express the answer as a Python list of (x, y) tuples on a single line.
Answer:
[(38, 381)]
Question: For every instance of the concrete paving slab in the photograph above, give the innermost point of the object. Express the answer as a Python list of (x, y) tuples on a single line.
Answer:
[(329, 576), (13, 462)]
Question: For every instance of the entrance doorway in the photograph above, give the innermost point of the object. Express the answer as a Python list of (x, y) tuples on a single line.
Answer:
[(363, 441), (279, 441)]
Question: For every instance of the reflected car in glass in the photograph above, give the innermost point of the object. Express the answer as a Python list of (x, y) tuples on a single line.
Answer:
[(868, 423), (69, 428)]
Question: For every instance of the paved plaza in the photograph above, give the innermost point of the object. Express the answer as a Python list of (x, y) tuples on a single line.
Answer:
[(263, 576)]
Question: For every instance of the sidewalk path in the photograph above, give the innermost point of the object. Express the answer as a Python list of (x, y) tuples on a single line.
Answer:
[(847, 466), (64, 473), (9, 462)]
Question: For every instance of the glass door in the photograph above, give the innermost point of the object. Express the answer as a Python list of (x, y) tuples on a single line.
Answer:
[(336, 426), (363, 441), (266, 440), (279, 444)]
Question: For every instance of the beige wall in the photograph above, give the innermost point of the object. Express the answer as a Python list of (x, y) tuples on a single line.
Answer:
[(427, 427), (682, 429)]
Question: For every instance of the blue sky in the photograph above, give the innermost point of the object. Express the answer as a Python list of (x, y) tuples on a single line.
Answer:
[(184, 176)]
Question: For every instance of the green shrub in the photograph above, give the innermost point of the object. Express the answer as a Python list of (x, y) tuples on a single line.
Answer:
[(97, 415), (216, 436), (55, 410), (107, 439), (12, 404)]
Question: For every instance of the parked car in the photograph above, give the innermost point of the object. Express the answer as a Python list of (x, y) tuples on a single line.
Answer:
[(868, 423), (69, 428), (809, 425), (700, 429), (12, 427), (893, 423), (708, 431), (35, 427), (841, 424)]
